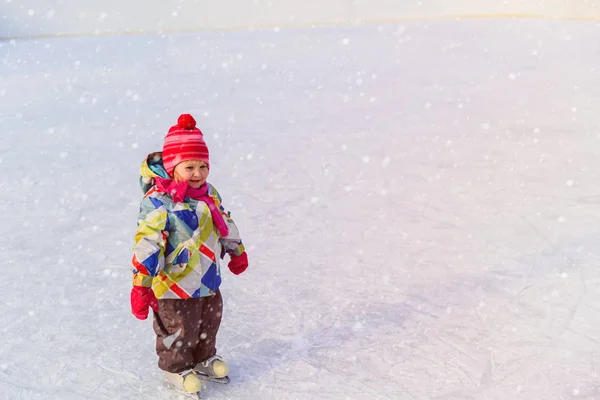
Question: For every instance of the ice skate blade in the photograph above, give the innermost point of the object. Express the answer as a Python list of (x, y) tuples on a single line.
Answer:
[(223, 381), (191, 395)]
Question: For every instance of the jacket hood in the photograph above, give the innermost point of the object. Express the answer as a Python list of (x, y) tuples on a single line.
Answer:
[(151, 168)]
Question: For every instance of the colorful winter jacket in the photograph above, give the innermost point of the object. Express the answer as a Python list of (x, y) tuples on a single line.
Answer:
[(177, 246)]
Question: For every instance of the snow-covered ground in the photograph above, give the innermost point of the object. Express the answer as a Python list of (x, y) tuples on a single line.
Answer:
[(420, 203)]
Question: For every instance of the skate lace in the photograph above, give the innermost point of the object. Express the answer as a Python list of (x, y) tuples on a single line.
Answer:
[(187, 372), (209, 362)]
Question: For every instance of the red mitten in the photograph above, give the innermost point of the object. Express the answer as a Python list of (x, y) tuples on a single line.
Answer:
[(238, 264), (141, 299)]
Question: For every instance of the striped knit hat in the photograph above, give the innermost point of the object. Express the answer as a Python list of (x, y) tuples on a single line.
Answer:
[(184, 142)]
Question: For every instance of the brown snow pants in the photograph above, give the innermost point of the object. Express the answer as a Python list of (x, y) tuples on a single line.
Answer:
[(186, 331)]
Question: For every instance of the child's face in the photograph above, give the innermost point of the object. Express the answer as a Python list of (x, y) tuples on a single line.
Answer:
[(194, 172)]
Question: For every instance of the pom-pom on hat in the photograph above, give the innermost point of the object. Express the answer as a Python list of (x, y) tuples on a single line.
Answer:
[(184, 142)]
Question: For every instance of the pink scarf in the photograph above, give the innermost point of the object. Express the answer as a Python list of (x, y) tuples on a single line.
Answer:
[(180, 190)]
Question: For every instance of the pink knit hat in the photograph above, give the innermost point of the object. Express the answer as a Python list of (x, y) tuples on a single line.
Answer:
[(184, 142)]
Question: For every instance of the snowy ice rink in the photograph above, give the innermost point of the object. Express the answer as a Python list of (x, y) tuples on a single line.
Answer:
[(420, 202)]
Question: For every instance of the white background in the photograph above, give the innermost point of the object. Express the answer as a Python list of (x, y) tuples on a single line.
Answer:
[(419, 201), (36, 17)]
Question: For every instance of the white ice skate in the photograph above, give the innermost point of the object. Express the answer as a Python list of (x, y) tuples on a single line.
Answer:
[(214, 370), (186, 381)]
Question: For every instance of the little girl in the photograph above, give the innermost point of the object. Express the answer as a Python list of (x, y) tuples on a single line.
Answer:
[(182, 232)]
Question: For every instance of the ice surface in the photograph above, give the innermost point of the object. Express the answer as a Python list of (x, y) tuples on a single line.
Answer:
[(419, 203)]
